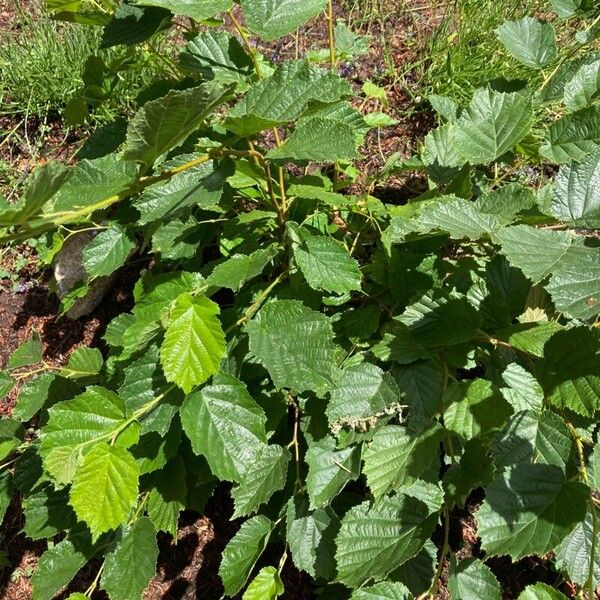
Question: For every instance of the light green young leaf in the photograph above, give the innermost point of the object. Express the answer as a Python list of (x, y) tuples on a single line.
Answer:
[(524, 391), (386, 590), (493, 124), (163, 123), (319, 140), (240, 268), (105, 488), (529, 509), (242, 552), (264, 475), (471, 579), (541, 591), (373, 541), (574, 136), (267, 585), (226, 425), (73, 425), (199, 10), (576, 198), (395, 458), (583, 88), (131, 564), (272, 19), (107, 251), (529, 40), (324, 262), (294, 343), (194, 342)]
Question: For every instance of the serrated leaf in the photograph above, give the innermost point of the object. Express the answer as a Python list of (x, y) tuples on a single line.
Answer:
[(199, 10), (574, 136), (570, 370), (242, 552), (474, 408), (217, 55), (47, 513), (46, 389), (576, 198), (324, 262), (59, 564), (131, 25), (529, 337), (107, 251), (373, 541), (536, 438), (524, 391), (262, 477), (267, 585), (471, 579), (225, 425), (194, 342), (441, 155), (294, 343), (83, 365), (529, 509), (386, 590), (440, 320), (583, 87), (529, 40), (92, 181), (494, 123), (28, 353), (167, 498), (163, 123), (329, 470), (129, 567), (395, 458), (272, 19), (541, 591), (73, 425), (284, 96), (319, 140), (240, 268), (105, 488)]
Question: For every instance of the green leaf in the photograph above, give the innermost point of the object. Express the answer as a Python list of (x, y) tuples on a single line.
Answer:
[(573, 554), (375, 540), (47, 513), (576, 198), (529, 509), (583, 88), (267, 585), (440, 320), (105, 488), (494, 123), (319, 140), (132, 25), (264, 475), (168, 495), (574, 136), (93, 181), (474, 408), (6, 383), (459, 217), (28, 353), (329, 470), (386, 590), (217, 55), (541, 591), (12, 434), (294, 343), (471, 580), (6, 492), (84, 364), (570, 370), (272, 19), (46, 389), (199, 10), (73, 425), (225, 425), (242, 552), (523, 391), (324, 262), (285, 96), (361, 394), (194, 342), (529, 40), (162, 124), (130, 566), (529, 337), (60, 563), (240, 268), (536, 438), (441, 155), (395, 458), (107, 251)]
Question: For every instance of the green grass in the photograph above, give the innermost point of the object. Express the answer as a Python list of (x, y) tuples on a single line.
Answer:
[(41, 63)]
